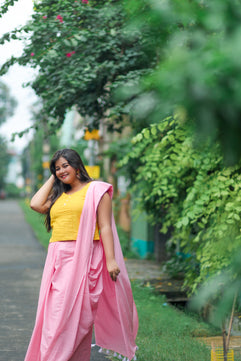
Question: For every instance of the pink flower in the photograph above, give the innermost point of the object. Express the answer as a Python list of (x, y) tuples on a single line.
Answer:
[(60, 18), (32, 54), (85, 1), (44, 17), (70, 54)]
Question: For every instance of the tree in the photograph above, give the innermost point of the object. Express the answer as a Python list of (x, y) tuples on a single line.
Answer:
[(82, 52), (86, 49), (33, 154), (4, 160), (7, 103), (190, 191), (198, 73)]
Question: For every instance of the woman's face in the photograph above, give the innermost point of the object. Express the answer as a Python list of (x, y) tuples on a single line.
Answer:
[(65, 172)]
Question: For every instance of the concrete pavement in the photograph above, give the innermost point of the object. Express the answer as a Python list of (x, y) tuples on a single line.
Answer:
[(21, 265)]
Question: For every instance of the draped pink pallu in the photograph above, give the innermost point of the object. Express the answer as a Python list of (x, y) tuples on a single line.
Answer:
[(90, 296)]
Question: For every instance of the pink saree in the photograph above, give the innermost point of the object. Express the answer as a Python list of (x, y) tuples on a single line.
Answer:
[(77, 292)]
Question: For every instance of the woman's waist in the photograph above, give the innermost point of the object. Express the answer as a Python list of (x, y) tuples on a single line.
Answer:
[(64, 234), (60, 235), (53, 240)]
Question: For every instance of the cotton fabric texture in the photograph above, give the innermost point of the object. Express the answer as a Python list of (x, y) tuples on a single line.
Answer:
[(65, 216), (77, 292)]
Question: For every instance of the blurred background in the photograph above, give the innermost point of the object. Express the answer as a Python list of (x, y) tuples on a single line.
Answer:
[(148, 92)]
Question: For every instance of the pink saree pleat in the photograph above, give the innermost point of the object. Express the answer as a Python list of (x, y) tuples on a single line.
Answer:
[(71, 296), (50, 341), (118, 331)]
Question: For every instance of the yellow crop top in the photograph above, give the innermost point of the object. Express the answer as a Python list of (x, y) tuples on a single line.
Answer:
[(65, 216)]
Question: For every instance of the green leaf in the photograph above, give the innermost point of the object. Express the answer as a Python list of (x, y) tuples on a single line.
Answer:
[(185, 221)]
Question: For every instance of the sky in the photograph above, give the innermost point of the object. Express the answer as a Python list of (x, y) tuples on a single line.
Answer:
[(17, 15)]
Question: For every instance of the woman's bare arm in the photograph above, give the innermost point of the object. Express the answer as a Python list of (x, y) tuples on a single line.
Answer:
[(104, 213), (40, 202)]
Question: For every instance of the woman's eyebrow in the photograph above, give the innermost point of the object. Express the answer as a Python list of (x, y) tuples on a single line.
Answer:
[(57, 166)]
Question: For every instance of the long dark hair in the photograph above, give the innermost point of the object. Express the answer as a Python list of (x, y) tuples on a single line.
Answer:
[(75, 161)]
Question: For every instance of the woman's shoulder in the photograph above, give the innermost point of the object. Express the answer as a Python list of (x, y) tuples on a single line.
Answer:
[(100, 187), (99, 183)]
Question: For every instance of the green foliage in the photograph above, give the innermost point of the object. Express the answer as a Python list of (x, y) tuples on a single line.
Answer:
[(35, 150), (12, 190), (7, 103), (36, 221), (4, 160), (86, 51), (221, 291), (190, 192), (81, 53), (5, 6), (197, 44), (117, 149), (124, 238), (33, 154)]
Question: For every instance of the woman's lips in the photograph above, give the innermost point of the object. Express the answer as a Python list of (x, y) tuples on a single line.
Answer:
[(64, 176)]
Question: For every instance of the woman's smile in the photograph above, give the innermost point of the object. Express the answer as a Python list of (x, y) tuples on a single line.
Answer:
[(63, 176)]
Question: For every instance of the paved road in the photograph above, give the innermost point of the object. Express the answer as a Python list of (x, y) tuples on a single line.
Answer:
[(21, 264)]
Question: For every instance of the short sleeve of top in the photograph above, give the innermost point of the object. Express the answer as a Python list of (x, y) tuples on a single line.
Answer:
[(65, 216)]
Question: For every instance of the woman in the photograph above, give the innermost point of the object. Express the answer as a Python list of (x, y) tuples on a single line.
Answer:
[(84, 282)]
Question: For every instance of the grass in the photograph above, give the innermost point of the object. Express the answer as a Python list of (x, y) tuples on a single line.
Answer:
[(165, 333), (36, 221)]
